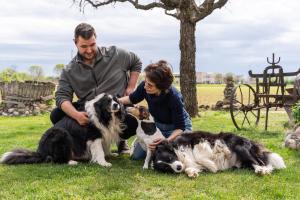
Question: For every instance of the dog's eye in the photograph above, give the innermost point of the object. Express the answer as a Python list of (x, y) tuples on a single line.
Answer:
[(168, 159)]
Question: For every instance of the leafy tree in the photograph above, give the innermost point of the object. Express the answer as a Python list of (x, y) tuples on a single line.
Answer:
[(36, 72), (10, 74), (58, 69), (7, 74), (188, 12)]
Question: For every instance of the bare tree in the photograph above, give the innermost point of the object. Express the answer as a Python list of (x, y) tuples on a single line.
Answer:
[(36, 72), (219, 78), (188, 12)]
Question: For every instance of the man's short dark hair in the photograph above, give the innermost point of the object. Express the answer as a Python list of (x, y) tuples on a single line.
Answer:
[(86, 31)]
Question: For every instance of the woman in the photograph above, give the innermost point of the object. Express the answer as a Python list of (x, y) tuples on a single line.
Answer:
[(164, 102)]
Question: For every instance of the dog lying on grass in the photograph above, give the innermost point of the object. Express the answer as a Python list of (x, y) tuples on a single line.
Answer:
[(200, 151)]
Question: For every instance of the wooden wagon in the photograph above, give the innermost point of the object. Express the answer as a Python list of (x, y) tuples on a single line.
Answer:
[(270, 92)]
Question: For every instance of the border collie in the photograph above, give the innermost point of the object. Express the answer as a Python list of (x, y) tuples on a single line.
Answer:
[(198, 151), (68, 142), (146, 131)]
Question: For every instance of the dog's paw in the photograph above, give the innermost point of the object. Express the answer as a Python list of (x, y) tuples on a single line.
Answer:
[(263, 170), (114, 154), (105, 164), (145, 167), (72, 162), (213, 169), (192, 172)]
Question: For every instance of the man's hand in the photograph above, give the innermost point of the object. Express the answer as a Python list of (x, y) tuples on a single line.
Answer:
[(153, 145), (82, 118)]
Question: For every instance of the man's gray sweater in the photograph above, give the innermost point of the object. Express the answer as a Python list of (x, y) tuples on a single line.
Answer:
[(109, 74)]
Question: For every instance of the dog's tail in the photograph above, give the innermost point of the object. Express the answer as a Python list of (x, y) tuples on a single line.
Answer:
[(276, 161), (21, 156)]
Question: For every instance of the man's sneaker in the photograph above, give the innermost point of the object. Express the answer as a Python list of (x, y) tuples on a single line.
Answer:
[(123, 147)]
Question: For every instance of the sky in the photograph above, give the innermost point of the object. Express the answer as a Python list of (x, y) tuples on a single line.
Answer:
[(237, 38)]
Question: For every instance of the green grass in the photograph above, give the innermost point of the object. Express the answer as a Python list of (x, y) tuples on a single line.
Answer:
[(126, 179)]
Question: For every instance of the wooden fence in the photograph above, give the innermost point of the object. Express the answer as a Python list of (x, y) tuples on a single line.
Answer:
[(28, 91)]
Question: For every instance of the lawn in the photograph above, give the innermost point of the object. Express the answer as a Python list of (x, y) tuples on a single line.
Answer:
[(127, 180)]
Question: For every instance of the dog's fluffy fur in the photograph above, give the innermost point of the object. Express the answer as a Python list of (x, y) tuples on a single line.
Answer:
[(194, 152), (146, 131), (68, 142), (292, 139)]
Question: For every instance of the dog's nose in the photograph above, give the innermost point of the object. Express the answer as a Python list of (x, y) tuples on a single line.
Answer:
[(115, 106), (179, 167)]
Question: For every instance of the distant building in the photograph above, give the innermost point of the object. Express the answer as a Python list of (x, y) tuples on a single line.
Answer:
[(209, 78), (205, 78)]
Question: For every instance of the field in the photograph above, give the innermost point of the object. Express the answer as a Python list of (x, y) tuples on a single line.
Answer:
[(209, 94), (127, 180)]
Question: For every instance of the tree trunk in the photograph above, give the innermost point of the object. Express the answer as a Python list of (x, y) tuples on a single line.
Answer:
[(187, 66)]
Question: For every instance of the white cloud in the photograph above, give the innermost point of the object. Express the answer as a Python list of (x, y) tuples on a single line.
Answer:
[(235, 38)]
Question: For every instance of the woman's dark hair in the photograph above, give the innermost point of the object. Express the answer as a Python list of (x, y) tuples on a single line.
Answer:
[(160, 74), (86, 31)]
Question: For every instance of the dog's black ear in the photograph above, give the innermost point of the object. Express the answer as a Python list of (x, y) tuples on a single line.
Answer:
[(166, 145), (101, 109), (170, 146), (163, 143)]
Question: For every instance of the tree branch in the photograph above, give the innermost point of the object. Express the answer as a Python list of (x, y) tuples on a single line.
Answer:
[(172, 3), (176, 15), (206, 8), (135, 3), (220, 4)]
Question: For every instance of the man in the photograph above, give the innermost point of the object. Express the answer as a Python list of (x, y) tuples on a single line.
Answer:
[(92, 71)]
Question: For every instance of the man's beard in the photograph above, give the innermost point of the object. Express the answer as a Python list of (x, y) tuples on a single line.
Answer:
[(91, 57)]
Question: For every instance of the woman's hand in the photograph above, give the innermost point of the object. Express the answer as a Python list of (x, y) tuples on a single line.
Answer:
[(155, 142), (124, 100), (174, 135), (128, 91)]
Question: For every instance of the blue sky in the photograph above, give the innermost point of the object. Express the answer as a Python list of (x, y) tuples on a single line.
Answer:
[(236, 38)]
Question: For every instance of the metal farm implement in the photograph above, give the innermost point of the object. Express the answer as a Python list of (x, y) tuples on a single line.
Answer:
[(271, 91)]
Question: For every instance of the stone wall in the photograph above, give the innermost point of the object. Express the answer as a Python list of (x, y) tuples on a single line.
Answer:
[(26, 110), (26, 98)]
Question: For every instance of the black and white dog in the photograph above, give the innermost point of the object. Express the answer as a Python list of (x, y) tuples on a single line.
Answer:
[(68, 142), (194, 152), (146, 131)]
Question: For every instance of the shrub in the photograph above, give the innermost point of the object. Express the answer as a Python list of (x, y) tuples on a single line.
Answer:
[(296, 111)]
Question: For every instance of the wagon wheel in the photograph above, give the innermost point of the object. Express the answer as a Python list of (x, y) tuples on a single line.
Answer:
[(244, 107)]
